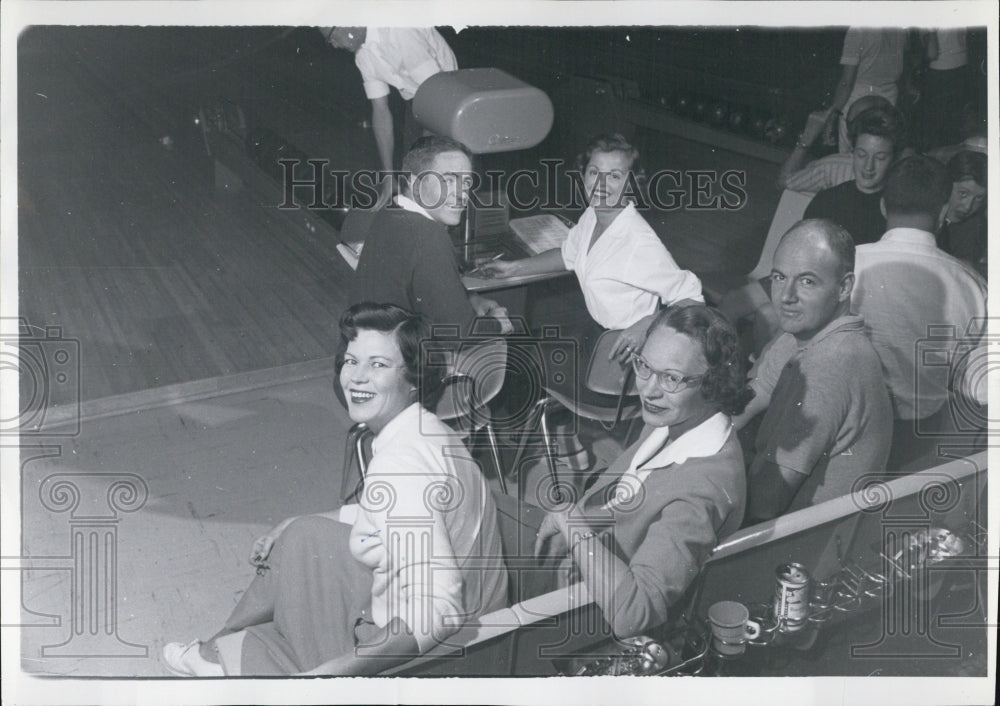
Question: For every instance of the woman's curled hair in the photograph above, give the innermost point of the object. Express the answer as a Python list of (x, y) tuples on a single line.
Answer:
[(725, 381), (411, 331), (613, 143)]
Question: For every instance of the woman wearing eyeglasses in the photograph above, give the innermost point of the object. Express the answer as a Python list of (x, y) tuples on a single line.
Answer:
[(641, 533)]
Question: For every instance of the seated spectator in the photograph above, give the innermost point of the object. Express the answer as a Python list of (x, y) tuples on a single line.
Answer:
[(324, 588), (831, 170), (911, 295), (408, 258), (963, 232), (856, 205), (948, 82), (828, 420), (623, 268), (642, 531), (873, 63)]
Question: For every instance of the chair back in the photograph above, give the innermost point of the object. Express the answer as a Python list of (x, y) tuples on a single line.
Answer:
[(475, 378), (790, 210), (605, 376)]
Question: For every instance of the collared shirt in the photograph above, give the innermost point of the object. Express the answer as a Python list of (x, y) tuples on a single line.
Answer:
[(919, 304), (659, 451), (408, 204), (628, 271), (402, 57), (878, 54), (830, 418)]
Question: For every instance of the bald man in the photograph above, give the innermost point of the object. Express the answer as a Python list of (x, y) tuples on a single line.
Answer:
[(829, 418)]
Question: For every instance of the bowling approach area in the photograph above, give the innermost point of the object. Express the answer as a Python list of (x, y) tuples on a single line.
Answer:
[(203, 318)]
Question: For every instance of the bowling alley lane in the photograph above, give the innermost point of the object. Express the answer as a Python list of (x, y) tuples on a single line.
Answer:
[(128, 243)]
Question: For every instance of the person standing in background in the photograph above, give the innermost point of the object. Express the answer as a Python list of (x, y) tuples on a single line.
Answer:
[(400, 57), (872, 62), (947, 85)]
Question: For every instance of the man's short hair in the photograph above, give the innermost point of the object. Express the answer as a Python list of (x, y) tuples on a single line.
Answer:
[(864, 103), (881, 121), (837, 239), (917, 186), (422, 153)]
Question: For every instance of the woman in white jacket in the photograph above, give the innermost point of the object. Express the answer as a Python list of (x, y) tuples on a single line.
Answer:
[(332, 598)]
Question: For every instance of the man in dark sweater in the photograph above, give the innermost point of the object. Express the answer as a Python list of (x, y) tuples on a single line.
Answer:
[(876, 135), (408, 259)]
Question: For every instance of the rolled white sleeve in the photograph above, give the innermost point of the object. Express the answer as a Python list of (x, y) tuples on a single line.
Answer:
[(374, 86)]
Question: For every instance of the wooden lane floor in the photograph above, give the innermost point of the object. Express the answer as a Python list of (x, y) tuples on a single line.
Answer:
[(129, 247)]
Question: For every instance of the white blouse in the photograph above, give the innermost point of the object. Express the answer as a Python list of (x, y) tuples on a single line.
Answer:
[(628, 272)]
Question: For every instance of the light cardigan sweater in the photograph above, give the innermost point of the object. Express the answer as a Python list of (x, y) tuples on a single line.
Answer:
[(426, 513)]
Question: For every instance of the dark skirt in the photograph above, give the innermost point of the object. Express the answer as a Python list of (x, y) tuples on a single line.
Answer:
[(303, 610)]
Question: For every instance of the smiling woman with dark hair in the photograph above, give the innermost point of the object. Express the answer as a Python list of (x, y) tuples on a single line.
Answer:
[(643, 530), (399, 580)]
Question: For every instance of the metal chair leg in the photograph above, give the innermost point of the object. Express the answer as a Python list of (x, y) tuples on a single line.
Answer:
[(549, 458), (530, 424), (495, 452)]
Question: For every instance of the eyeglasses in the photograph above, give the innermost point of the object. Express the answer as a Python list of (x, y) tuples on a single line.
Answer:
[(668, 380)]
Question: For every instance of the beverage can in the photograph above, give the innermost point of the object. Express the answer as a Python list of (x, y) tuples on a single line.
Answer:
[(791, 596)]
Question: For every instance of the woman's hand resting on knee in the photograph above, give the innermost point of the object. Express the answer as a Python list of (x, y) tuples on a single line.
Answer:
[(262, 546)]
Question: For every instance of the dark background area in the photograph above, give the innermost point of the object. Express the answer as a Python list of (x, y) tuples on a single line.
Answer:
[(127, 241)]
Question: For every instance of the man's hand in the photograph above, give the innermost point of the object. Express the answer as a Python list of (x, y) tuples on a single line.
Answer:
[(488, 307), (262, 546)]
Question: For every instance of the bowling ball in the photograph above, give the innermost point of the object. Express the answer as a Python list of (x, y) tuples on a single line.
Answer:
[(682, 103), (757, 125), (775, 131), (700, 109), (780, 133), (738, 119), (718, 114)]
